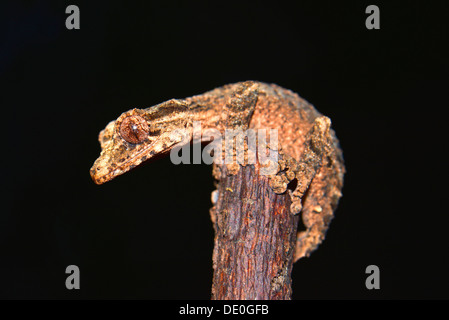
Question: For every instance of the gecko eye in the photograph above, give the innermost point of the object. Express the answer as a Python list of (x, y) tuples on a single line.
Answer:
[(134, 129)]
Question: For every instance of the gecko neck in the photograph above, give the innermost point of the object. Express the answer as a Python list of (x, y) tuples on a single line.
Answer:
[(209, 116), (212, 111)]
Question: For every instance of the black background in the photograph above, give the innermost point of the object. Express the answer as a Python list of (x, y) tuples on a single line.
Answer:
[(147, 234)]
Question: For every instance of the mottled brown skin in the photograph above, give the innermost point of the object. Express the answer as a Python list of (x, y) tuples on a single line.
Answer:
[(309, 154)]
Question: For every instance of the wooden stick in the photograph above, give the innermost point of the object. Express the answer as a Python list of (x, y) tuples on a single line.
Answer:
[(255, 236)]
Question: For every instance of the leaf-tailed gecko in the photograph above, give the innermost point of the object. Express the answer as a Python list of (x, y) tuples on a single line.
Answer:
[(309, 150)]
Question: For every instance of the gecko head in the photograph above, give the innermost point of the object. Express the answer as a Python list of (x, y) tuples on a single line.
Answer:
[(138, 135)]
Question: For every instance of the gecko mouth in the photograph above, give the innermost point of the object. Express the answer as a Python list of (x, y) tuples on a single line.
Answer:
[(102, 171)]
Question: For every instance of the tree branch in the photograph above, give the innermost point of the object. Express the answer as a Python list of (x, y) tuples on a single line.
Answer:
[(255, 237)]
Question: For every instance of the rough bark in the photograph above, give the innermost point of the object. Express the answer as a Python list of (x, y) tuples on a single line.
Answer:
[(255, 236)]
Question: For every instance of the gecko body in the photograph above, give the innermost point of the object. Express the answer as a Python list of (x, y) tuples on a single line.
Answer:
[(309, 150)]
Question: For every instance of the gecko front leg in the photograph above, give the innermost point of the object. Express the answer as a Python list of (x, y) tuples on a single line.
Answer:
[(317, 146), (317, 186), (320, 179)]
